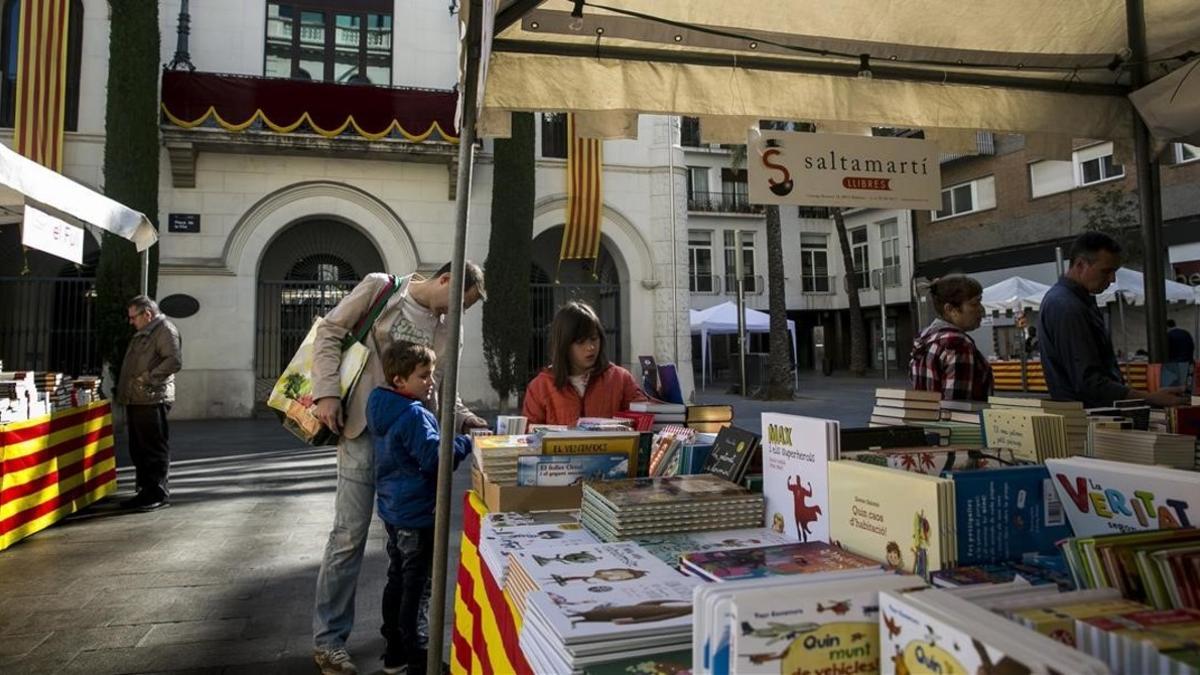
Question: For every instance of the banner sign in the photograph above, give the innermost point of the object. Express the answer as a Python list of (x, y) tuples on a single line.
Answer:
[(52, 235), (789, 167)]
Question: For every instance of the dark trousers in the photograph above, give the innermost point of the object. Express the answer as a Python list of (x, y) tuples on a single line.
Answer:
[(411, 556), (148, 435)]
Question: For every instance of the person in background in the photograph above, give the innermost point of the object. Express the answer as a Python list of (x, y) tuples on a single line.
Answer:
[(146, 388), (944, 357), (1181, 348), (580, 381), (1077, 352), (406, 437)]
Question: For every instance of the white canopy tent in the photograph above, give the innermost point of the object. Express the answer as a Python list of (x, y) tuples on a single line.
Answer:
[(1013, 295), (1130, 285), (722, 319)]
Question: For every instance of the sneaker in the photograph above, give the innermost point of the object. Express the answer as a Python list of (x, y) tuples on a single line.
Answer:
[(153, 504), (334, 661)]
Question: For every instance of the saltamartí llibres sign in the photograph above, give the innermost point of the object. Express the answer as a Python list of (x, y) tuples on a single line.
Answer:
[(788, 167)]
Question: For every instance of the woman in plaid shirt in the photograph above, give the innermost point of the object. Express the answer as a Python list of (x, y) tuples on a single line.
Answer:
[(944, 357)]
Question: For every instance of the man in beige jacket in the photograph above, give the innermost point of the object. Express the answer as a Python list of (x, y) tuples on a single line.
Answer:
[(146, 388), (414, 313)]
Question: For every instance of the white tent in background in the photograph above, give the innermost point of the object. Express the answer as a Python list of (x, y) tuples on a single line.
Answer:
[(1013, 294), (722, 319), (1131, 285)]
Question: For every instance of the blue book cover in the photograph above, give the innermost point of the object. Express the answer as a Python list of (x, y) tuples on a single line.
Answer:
[(669, 390), (561, 470), (1005, 513)]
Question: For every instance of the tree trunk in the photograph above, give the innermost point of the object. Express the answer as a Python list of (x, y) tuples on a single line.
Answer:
[(779, 379), (131, 156), (506, 313), (858, 338)]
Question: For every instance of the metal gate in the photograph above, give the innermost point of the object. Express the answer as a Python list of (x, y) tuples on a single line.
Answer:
[(49, 323), (546, 298), (285, 313)]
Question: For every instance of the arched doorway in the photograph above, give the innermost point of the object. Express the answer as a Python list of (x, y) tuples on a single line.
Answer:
[(596, 282), (303, 273)]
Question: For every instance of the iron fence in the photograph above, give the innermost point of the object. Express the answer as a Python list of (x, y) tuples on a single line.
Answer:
[(49, 323), (284, 315)]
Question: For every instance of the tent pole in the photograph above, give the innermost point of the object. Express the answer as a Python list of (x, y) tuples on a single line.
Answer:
[(145, 275), (449, 392), (1149, 191)]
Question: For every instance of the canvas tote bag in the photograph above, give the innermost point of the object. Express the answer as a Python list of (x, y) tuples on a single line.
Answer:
[(292, 395)]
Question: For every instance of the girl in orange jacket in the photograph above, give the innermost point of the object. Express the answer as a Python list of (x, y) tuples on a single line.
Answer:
[(580, 381)]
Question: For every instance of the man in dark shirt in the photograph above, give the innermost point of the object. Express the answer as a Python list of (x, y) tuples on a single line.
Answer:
[(1077, 352), (1180, 346)]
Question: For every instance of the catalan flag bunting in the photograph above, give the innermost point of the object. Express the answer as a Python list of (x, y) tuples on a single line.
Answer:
[(585, 196), (52, 466), (41, 81)]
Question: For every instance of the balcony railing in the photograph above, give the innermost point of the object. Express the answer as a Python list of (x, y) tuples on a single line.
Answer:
[(889, 274), (704, 284), (722, 202), (818, 284), (753, 284)]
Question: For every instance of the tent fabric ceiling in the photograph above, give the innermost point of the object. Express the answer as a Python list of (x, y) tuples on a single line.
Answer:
[(1063, 86)]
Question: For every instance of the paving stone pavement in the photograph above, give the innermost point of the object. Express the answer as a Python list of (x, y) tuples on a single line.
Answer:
[(222, 581)]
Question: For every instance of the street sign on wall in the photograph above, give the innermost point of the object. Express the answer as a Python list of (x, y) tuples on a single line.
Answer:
[(789, 167)]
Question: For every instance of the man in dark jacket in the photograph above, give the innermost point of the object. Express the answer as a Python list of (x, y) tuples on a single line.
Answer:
[(1180, 346), (146, 387), (1077, 353)]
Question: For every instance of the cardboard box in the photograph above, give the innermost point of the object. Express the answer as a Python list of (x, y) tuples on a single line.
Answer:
[(518, 498)]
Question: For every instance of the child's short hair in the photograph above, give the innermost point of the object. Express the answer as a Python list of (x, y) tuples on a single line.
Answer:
[(402, 358)]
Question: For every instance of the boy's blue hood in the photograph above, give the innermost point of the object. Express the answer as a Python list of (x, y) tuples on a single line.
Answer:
[(384, 407)]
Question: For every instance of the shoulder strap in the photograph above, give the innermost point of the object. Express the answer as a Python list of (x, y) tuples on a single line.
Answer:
[(364, 325)]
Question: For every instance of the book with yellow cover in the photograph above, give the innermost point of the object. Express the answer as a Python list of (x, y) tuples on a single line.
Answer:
[(593, 443), (904, 520)]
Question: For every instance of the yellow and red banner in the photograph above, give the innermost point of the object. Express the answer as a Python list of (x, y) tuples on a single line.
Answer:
[(52, 466), (487, 626), (585, 196), (41, 81)]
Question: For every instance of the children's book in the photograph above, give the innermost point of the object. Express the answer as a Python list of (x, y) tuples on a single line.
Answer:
[(560, 470), (732, 453), (1105, 497), (779, 559), (669, 547), (796, 452), (1005, 513)]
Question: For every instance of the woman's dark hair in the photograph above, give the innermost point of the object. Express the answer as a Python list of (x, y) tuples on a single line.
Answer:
[(574, 322), (953, 290)]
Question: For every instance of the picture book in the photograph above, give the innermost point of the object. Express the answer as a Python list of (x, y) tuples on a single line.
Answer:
[(931, 461), (669, 547), (796, 451), (1005, 513), (592, 443), (558, 470), (731, 453), (601, 611), (779, 559), (1103, 497), (667, 491)]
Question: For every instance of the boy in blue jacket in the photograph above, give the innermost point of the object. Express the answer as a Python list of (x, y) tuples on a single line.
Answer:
[(405, 435)]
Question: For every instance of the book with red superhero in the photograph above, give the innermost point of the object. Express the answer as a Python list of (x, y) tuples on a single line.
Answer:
[(796, 452)]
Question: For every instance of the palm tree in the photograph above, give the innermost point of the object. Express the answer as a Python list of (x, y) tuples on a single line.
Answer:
[(858, 338)]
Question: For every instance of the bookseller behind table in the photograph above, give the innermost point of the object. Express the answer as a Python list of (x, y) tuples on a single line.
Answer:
[(52, 466)]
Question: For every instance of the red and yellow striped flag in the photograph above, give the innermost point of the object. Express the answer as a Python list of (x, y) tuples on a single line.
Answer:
[(41, 81), (585, 196)]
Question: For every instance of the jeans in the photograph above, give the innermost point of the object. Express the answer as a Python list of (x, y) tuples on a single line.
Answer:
[(333, 616), (411, 555), (148, 449)]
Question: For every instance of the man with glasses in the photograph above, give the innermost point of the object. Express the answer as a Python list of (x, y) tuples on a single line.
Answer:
[(146, 388)]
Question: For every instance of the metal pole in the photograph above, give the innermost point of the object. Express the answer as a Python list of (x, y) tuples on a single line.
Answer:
[(674, 245), (145, 281), (1149, 191), (741, 310), (1058, 262), (466, 161), (883, 343)]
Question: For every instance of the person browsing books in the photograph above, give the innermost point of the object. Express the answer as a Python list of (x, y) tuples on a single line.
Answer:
[(405, 437), (580, 381), (944, 357), (1077, 352)]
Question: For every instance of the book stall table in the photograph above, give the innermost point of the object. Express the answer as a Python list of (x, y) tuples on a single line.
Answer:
[(52, 466)]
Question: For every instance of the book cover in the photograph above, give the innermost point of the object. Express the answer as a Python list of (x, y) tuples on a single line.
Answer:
[(1104, 497), (590, 564), (779, 559), (709, 413), (649, 375), (669, 547), (916, 640), (796, 451), (931, 461), (731, 453), (593, 443), (669, 388), (1004, 513), (606, 612), (667, 491), (888, 515), (560, 470)]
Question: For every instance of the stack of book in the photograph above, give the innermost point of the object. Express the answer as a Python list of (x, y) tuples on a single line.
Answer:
[(497, 456), (1032, 436), (1144, 447), (824, 622), (1074, 417), (1157, 567), (960, 434), (668, 450), (901, 519), (17, 394), (1137, 410), (709, 418), (502, 533), (767, 561), (621, 509), (580, 566), (87, 389), (966, 412), (604, 424), (898, 407), (584, 625), (511, 425), (664, 413), (670, 547), (1143, 641)]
